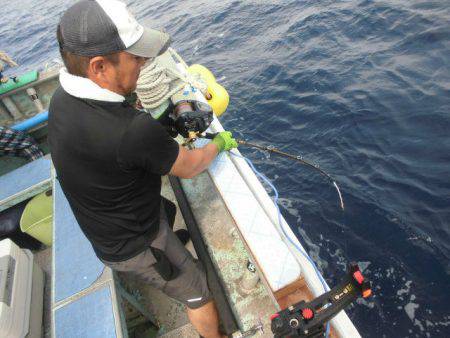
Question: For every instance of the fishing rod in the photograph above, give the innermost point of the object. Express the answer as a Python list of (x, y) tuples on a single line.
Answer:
[(297, 158)]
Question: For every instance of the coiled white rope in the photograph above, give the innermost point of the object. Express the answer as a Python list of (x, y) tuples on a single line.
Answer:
[(158, 83), (154, 86)]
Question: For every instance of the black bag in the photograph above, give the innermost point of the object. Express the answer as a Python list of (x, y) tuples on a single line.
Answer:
[(10, 227)]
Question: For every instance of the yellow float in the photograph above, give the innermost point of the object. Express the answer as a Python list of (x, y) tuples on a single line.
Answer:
[(217, 96)]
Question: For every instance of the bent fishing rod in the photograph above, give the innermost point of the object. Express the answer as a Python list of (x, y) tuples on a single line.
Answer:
[(297, 158)]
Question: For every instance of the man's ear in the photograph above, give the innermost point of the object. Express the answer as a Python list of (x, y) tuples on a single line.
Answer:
[(97, 67)]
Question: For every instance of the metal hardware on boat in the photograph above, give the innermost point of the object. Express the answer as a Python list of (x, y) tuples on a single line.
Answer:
[(293, 323), (250, 279), (34, 97), (259, 327), (233, 233)]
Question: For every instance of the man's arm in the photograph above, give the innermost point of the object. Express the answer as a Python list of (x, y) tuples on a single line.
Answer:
[(190, 163)]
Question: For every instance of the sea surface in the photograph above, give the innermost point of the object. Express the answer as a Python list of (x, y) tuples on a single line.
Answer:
[(361, 88)]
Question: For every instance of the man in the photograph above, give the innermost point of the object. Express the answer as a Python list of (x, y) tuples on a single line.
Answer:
[(109, 157)]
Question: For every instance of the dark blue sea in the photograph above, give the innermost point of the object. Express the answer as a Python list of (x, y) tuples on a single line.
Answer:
[(360, 87)]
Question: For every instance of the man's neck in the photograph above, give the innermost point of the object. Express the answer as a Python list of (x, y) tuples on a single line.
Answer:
[(108, 86), (86, 88)]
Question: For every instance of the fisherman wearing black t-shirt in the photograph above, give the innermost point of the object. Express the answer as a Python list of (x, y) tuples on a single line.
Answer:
[(109, 157)]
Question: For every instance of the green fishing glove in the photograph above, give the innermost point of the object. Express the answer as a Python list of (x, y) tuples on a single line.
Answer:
[(225, 141)]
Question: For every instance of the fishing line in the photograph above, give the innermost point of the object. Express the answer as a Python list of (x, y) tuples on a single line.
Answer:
[(297, 158)]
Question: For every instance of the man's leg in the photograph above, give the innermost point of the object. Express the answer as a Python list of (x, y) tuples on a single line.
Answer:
[(205, 320), (190, 287)]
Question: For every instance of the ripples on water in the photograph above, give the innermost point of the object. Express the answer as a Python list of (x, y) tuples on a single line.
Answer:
[(361, 87)]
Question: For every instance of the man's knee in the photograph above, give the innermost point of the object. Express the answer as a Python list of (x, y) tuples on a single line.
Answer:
[(205, 316)]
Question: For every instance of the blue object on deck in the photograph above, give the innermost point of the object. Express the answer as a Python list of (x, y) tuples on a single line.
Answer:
[(90, 316), (76, 265), (34, 176), (31, 122)]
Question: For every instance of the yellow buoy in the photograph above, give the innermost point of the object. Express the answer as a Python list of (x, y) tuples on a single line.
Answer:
[(204, 73), (219, 98)]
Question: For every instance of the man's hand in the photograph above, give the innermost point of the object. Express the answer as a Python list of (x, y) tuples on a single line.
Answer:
[(190, 163), (224, 141)]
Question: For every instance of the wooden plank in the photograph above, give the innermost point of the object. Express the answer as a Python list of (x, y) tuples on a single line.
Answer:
[(293, 293)]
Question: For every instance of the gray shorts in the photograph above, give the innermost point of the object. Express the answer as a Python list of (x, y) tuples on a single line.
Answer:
[(190, 287)]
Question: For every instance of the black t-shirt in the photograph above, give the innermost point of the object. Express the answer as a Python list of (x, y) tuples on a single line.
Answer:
[(109, 159)]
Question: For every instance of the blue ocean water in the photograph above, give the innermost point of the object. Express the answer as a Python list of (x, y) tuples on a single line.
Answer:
[(360, 87)]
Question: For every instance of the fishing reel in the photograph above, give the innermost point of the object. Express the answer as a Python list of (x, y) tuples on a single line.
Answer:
[(308, 319), (186, 115), (189, 115), (192, 117), (187, 118)]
